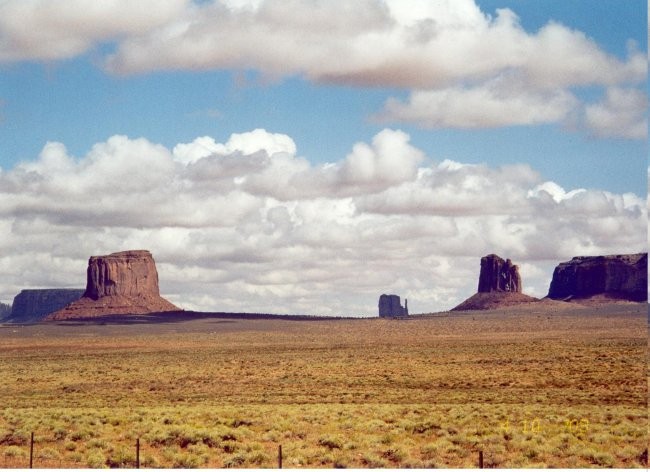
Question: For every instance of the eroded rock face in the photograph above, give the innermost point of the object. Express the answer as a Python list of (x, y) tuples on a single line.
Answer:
[(622, 277), (120, 283), (127, 274), (499, 286), (35, 304), (498, 275), (391, 305), (5, 311)]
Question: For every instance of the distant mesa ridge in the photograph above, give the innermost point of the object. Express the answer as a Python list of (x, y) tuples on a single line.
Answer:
[(618, 277), (391, 305), (592, 279), (33, 305), (126, 283), (5, 311), (118, 284)]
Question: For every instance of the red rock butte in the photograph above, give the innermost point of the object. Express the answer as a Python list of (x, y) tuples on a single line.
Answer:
[(122, 283), (498, 275), (614, 277), (499, 286)]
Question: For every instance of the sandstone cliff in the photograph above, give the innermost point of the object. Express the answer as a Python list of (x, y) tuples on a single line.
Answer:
[(33, 305), (117, 284), (499, 286), (623, 277), (498, 275), (5, 311)]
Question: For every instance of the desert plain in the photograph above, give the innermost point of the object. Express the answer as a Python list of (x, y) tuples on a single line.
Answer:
[(543, 385)]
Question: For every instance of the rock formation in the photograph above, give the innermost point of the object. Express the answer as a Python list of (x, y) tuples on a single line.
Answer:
[(390, 305), (33, 305), (498, 275), (623, 277), (5, 311), (494, 301), (118, 284), (499, 286)]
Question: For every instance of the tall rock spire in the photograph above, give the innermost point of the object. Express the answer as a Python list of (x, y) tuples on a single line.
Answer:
[(498, 275)]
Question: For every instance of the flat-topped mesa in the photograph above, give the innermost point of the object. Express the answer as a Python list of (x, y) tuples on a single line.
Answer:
[(121, 283), (498, 275), (622, 277), (127, 274), (390, 305), (32, 305)]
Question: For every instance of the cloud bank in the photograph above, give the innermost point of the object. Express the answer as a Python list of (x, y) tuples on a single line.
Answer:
[(249, 225), (449, 54)]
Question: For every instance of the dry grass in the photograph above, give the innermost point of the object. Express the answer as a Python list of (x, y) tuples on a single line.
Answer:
[(561, 388)]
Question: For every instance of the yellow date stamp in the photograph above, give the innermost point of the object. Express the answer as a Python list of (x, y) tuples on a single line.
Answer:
[(577, 427)]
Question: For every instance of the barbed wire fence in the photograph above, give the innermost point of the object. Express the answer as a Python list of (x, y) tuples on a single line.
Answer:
[(15, 456)]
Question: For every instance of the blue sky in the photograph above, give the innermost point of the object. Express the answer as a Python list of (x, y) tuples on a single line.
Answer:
[(74, 101), (554, 88)]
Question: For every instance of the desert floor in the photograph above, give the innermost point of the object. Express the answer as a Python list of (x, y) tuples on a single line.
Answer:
[(545, 385)]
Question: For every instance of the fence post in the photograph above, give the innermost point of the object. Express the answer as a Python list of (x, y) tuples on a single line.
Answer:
[(137, 453), (31, 451), (280, 456), (480, 459)]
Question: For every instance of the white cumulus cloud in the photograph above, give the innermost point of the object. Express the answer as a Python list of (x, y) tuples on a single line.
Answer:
[(248, 225), (622, 114), (390, 159), (405, 43), (463, 67), (244, 143), (47, 30), (488, 105)]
